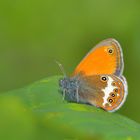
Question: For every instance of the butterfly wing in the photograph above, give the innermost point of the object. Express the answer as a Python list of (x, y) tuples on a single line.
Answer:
[(109, 94), (105, 58), (98, 78)]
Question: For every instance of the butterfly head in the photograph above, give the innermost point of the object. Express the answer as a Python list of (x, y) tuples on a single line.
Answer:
[(64, 83)]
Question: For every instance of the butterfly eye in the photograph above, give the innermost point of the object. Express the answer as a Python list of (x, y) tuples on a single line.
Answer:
[(110, 50), (60, 82), (104, 78)]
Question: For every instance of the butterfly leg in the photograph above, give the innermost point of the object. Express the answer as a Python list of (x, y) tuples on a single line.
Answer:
[(64, 92), (77, 94)]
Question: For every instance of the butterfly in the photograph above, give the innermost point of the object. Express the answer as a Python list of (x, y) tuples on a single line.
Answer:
[(98, 79)]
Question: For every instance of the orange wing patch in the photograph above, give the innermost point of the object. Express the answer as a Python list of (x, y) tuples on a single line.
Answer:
[(105, 58)]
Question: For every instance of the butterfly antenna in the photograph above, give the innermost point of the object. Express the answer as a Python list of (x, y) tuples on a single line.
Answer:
[(61, 68)]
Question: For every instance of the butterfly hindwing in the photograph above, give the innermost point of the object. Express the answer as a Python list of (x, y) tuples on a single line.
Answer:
[(105, 91)]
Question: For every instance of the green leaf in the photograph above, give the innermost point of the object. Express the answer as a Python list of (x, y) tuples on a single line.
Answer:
[(41, 113)]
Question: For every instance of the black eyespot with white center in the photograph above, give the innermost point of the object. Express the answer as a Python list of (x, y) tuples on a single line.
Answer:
[(104, 78), (110, 50), (113, 95), (110, 101)]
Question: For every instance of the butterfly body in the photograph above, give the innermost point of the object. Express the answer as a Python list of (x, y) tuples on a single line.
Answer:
[(98, 79)]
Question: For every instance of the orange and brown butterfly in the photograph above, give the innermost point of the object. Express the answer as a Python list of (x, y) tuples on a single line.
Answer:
[(98, 79)]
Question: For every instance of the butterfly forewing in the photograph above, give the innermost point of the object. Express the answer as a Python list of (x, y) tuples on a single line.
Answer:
[(104, 58)]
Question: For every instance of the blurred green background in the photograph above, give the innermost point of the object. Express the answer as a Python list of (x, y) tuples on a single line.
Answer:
[(35, 33)]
